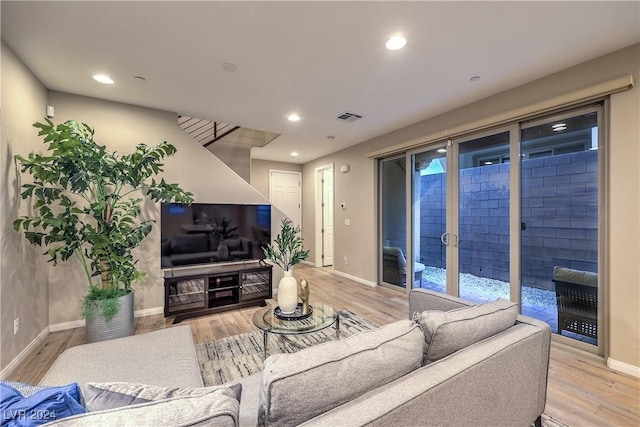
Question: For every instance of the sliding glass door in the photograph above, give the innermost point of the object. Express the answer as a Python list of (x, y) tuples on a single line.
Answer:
[(513, 212), (429, 213), (483, 219), (560, 193), (393, 221)]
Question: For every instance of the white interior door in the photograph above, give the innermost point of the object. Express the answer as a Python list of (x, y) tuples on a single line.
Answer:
[(327, 217), (285, 194)]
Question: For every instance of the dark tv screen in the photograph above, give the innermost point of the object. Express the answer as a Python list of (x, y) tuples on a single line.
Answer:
[(210, 233)]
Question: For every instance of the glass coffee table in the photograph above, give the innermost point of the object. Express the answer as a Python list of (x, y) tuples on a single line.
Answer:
[(322, 317)]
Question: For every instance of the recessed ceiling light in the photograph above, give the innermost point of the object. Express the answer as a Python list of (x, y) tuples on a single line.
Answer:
[(488, 163), (474, 78), (293, 117), (396, 42), (441, 150), (559, 127), (140, 78), (294, 154), (102, 78)]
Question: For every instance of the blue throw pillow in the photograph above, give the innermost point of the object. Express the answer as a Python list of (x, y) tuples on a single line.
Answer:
[(43, 406)]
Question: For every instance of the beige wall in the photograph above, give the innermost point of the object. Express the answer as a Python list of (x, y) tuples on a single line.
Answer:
[(236, 156), (358, 187), (260, 173), (23, 281)]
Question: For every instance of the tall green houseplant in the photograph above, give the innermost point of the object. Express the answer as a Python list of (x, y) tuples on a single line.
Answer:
[(86, 203)]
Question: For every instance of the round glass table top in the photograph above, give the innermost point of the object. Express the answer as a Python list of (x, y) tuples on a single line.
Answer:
[(322, 317)]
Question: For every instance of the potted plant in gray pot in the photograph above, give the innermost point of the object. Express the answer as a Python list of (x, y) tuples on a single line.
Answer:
[(86, 204), (286, 252)]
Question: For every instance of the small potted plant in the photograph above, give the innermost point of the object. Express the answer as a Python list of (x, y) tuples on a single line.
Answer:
[(86, 204), (286, 252)]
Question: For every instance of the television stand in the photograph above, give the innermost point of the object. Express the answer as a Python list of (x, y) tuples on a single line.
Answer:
[(221, 288)]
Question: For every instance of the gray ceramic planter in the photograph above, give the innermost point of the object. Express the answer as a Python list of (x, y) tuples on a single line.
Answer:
[(122, 324)]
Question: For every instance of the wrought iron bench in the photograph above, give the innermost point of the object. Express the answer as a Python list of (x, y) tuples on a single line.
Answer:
[(577, 299)]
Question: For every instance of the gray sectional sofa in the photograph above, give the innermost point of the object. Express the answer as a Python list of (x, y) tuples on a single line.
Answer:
[(451, 364)]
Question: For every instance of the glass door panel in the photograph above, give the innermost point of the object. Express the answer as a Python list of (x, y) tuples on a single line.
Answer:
[(483, 218), (394, 221), (429, 195), (559, 205)]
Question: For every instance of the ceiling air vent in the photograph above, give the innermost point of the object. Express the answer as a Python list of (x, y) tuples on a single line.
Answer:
[(348, 117)]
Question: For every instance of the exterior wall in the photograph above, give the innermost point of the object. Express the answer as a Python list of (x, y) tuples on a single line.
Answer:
[(559, 208)]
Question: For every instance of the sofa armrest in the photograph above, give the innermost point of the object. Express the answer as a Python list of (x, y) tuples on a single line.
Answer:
[(424, 299)]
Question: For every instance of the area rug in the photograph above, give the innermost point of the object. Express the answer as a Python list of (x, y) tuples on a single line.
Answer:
[(228, 359)]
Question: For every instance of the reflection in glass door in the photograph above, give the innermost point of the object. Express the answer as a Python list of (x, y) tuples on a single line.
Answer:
[(483, 218), (394, 221), (430, 219), (560, 203)]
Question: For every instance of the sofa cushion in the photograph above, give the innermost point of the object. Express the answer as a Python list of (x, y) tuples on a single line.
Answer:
[(298, 386), (448, 331), (580, 277), (101, 396), (217, 408)]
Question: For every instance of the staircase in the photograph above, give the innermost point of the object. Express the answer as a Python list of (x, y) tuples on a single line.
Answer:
[(206, 132)]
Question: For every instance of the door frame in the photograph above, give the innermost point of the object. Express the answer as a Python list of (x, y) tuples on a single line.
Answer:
[(318, 212)]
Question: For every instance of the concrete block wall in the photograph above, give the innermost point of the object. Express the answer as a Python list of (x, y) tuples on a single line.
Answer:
[(559, 210)]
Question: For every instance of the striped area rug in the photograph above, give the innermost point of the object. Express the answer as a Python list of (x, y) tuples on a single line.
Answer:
[(227, 359)]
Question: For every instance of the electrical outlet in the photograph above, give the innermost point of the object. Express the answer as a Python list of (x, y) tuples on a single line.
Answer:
[(346, 260), (16, 325)]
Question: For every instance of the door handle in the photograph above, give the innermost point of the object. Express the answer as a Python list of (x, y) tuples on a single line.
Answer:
[(444, 238), (455, 240)]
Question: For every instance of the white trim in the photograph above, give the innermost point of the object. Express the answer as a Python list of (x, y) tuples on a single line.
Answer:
[(318, 211), (305, 262), (354, 278), (66, 325), (625, 368), (148, 312), (33, 345)]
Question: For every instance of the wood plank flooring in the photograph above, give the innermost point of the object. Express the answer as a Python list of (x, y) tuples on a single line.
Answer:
[(582, 391)]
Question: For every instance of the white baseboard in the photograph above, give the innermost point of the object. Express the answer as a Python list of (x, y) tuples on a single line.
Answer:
[(148, 312), (354, 278), (66, 325), (8, 370), (625, 368), (308, 263), (80, 323)]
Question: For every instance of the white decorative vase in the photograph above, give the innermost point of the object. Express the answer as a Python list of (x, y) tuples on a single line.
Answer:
[(288, 293)]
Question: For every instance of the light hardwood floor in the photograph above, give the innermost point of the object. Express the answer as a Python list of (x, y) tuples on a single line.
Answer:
[(582, 391)]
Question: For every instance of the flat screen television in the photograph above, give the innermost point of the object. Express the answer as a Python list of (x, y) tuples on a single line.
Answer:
[(211, 233)]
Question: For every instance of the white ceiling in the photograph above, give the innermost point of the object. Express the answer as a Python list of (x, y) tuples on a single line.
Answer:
[(318, 59)]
